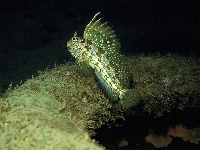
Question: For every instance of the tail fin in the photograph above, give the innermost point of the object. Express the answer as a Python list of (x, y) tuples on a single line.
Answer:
[(129, 98)]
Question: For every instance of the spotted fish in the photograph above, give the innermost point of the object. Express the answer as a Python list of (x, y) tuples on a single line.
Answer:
[(98, 52)]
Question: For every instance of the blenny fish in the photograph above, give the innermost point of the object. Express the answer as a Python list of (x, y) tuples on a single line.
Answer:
[(97, 52)]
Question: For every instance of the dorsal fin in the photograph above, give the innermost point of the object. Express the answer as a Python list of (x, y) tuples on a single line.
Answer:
[(101, 35)]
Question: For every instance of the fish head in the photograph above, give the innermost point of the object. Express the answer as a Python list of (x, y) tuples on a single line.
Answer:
[(76, 46)]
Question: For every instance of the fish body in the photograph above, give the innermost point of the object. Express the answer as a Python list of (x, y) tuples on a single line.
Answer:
[(98, 50)]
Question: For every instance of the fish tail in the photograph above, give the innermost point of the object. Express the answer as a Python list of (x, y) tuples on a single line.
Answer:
[(129, 98)]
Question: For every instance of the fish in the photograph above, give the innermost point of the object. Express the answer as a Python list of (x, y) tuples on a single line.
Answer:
[(98, 53)]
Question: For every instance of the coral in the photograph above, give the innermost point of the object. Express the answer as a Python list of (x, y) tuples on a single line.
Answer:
[(158, 140), (179, 131), (192, 135)]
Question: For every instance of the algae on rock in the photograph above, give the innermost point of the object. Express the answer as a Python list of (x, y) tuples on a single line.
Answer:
[(59, 109), (166, 82)]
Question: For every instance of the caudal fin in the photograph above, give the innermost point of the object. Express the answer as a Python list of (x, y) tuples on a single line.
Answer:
[(129, 98)]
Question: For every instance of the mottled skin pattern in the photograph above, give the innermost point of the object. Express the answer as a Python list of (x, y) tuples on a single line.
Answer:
[(99, 49)]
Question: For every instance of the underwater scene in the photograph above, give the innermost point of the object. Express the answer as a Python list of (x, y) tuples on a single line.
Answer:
[(99, 75)]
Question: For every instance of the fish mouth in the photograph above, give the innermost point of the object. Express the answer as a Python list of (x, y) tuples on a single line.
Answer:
[(68, 45)]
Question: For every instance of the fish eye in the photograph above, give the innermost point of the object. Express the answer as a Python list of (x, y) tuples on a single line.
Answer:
[(73, 38)]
